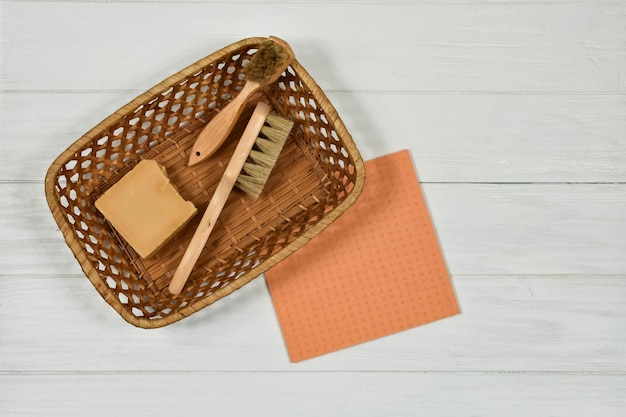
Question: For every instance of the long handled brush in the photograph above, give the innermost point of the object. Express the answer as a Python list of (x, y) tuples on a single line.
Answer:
[(249, 168)]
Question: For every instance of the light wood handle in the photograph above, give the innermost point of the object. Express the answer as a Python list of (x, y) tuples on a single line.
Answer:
[(225, 186), (217, 130)]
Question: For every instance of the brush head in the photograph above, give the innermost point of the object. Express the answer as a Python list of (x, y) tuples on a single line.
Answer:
[(264, 154), (268, 62)]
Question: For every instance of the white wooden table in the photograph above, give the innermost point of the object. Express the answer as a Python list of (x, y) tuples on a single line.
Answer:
[(515, 116)]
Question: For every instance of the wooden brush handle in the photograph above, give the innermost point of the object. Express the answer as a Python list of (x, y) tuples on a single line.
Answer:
[(217, 130), (225, 186)]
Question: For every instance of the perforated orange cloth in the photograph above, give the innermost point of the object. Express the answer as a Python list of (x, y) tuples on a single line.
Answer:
[(377, 270)]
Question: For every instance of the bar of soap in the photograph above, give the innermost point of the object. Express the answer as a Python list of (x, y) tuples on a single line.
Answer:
[(145, 208)]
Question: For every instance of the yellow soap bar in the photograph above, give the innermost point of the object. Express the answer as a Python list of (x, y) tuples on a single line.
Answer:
[(145, 207)]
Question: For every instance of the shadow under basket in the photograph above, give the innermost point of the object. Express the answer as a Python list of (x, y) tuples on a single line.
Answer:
[(318, 175)]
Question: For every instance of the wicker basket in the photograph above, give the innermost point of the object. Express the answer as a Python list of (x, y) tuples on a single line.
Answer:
[(319, 174)]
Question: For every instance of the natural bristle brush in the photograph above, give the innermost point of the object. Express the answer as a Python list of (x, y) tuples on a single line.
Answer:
[(270, 60), (249, 168)]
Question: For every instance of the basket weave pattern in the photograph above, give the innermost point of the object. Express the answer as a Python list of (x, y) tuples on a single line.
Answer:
[(318, 175)]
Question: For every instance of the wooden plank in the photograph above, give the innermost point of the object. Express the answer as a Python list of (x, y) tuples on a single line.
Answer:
[(399, 47), (321, 2), (312, 394), (542, 229), (483, 229), (453, 138), (508, 324)]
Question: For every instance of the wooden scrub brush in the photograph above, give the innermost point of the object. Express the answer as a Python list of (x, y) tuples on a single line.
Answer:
[(270, 60), (249, 168)]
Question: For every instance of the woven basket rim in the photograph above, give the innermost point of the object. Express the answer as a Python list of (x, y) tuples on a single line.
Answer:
[(77, 249)]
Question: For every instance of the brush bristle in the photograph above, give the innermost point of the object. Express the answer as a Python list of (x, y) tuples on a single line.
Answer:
[(265, 62), (263, 156)]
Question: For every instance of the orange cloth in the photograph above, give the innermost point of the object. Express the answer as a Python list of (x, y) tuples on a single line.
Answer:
[(376, 270)]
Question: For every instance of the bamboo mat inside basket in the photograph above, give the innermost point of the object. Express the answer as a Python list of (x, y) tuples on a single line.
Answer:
[(376, 270)]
